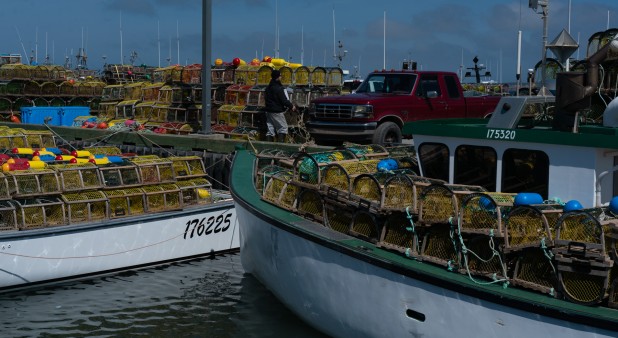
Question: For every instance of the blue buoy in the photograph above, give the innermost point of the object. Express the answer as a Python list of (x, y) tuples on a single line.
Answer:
[(486, 203), (528, 198), (387, 164), (613, 205), (572, 205)]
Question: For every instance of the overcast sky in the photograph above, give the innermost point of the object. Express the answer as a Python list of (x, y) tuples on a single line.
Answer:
[(434, 33)]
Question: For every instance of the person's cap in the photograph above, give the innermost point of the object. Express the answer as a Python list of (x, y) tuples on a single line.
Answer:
[(275, 74)]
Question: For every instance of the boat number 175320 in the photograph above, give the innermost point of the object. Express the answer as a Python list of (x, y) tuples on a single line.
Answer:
[(500, 134), (207, 226)]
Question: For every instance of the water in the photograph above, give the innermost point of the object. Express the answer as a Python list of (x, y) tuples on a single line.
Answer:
[(200, 298)]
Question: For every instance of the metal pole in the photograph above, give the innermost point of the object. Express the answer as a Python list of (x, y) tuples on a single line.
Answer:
[(543, 90), (206, 67)]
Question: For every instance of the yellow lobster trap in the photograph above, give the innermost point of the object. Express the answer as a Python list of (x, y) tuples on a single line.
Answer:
[(307, 166), (582, 261), (162, 197), (280, 189), (188, 166), (8, 217), (39, 212), (484, 213), (119, 175), (85, 206), (439, 203), (75, 177), (39, 139), (310, 205), (229, 114), (400, 234), (154, 170), (10, 139), (126, 202), (195, 191), (31, 182)]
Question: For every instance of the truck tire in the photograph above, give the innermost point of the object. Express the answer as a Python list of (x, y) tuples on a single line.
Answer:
[(387, 133)]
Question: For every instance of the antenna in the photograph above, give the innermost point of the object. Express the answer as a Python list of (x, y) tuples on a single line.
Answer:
[(36, 44), (334, 45), (22, 44), (121, 56), (177, 43), (302, 45), (384, 52)]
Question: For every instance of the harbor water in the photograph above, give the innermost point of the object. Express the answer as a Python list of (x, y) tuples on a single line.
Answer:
[(198, 298)]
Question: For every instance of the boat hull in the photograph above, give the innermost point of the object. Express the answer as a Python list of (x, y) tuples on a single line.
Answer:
[(35, 257), (346, 294)]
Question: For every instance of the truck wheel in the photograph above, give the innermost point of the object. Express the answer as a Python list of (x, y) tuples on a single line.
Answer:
[(387, 132)]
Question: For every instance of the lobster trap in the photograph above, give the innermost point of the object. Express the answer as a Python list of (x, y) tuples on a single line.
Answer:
[(439, 203), (340, 175), (280, 189), (530, 226), (5, 188), (119, 175), (366, 226), (439, 246), (195, 191), (338, 216), (125, 202), (229, 115), (582, 262), (39, 139), (162, 197), (483, 213), (237, 95), (534, 270), (30, 183), (188, 166), (400, 234), (482, 257), (310, 205), (85, 206), (8, 216), (154, 170), (10, 140), (317, 76), (246, 75), (75, 177), (307, 166), (39, 212)]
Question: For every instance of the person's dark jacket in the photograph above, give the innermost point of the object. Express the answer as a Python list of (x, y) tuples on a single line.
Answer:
[(275, 99)]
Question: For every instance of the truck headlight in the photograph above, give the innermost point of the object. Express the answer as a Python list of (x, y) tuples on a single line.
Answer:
[(362, 111)]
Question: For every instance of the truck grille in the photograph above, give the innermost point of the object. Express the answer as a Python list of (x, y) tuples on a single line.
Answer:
[(333, 111)]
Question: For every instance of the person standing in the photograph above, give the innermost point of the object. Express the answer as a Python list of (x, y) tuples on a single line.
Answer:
[(277, 103)]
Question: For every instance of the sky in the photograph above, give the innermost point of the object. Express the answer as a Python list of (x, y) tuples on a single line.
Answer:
[(437, 34)]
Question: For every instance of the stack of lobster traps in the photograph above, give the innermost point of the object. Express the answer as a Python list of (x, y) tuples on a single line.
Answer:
[(516, 239), (48, 186)]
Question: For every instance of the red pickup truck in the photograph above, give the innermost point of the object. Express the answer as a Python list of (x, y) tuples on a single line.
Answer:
[(379, 109)]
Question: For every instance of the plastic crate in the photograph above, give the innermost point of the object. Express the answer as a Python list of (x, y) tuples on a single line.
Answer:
[(40, 115), (55, 116)]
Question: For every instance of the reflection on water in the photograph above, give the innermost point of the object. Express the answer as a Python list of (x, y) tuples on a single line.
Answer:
[(200, 298)]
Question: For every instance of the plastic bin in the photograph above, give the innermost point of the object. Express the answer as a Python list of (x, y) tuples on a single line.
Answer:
[(55, 116)]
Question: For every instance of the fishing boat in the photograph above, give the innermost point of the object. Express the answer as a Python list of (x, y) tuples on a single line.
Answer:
[(500, 227), (69, 214)]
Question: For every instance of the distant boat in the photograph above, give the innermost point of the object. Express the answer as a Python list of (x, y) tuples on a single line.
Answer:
[(98, 211)]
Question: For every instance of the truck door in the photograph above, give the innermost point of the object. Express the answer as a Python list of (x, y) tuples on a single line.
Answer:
[(455, 102), (432, 99)]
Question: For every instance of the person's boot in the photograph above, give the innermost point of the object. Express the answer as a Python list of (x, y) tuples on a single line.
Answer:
[(270, 139), (281, 138)]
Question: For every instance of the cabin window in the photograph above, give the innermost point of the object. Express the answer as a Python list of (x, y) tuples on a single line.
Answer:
[(434, 158), (476, 165), (452, 87), (525, 171), (428, 83)]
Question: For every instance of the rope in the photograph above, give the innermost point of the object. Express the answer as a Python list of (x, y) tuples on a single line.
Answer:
[(411, 229)]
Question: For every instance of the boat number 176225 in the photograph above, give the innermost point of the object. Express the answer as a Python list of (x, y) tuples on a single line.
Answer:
[(500, 134), (207, 226)]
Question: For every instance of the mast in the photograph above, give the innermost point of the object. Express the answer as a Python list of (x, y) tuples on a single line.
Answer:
[(121, 56), (384, 38), (177, 43), (159, 42), (206, 57)]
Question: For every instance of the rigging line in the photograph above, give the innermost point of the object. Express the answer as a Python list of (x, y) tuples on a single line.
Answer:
[(107, 254)]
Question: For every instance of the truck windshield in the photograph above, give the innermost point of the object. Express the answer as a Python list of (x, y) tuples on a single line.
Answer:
[(388, 83)]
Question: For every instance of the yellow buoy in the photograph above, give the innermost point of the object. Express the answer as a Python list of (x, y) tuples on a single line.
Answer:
[(203, 193)]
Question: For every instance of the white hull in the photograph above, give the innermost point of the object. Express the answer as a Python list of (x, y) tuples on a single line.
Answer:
[(345, 296), (67, 252)]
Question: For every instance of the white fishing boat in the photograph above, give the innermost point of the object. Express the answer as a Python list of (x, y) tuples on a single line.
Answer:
[(507, 227), (98, 211)]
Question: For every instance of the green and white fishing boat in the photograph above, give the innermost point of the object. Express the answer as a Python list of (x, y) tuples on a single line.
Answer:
[(504, 227)]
